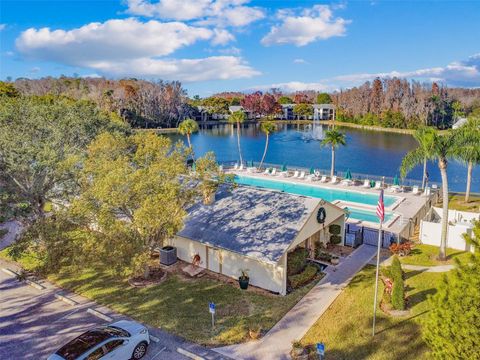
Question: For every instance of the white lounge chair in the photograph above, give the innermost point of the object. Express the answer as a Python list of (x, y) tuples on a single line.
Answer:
[(302, 175), (274, 172), (240, 168), (415, 190), (334, 180), (378, 185), (323, 179), (427, 191), (366, 183), (235, 167), (295, 174), (267, 171), (346, 182)]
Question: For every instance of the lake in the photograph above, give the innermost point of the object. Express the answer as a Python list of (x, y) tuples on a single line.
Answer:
[(368, 152)]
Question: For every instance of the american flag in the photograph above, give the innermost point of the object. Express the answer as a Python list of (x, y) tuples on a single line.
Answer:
[(381, 207)]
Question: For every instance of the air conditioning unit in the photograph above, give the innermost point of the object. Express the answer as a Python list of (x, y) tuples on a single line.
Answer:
[(168, 255)]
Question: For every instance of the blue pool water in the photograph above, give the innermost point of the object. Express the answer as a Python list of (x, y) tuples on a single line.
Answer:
[(367, 215), (327, 194)]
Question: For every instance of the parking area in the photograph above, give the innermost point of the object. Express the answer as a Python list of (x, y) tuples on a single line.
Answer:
[(34, 323)]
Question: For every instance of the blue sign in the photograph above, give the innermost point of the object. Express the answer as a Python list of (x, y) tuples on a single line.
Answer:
[(211, 307), (321, 349)]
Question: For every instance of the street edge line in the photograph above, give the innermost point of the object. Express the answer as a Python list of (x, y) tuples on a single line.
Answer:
[(189, 354), (66, 299)]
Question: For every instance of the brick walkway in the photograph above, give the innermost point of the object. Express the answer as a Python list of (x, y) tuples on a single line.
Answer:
[(278, 341)]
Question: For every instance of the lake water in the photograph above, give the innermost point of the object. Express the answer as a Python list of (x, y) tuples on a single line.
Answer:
[(368, 152)]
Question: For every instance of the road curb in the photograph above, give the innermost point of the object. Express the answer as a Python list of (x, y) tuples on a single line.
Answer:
[(66, 299), (99, 315), (9, 272), (35, 284), (189, 354)]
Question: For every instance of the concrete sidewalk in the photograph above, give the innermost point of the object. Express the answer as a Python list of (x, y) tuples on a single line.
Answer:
[(278, 341)]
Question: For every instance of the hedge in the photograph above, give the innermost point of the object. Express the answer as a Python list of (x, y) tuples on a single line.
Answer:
[(335, 239), (398, 290), (296, 261), (334, 229), (304, 277)]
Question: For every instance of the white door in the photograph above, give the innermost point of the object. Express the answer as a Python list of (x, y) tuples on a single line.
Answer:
[(213, 260)]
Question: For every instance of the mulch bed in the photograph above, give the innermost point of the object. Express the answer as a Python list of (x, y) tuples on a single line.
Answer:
[(157, 276)]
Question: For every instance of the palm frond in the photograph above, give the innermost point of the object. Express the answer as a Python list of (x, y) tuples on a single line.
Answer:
[(412, 159)]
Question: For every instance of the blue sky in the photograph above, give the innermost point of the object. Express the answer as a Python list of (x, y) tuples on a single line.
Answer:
[(223, 45)]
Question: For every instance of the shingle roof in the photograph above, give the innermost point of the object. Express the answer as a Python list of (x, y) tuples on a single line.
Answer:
[(256, 223)]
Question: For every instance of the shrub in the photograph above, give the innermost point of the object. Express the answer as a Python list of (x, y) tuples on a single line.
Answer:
[(322, 255), (304, 277), (335, 239), (296, 261), (398, 290), (3, 232), (403, 249), (334, 229), (398, 295)]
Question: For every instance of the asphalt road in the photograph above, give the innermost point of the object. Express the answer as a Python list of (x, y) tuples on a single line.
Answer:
[(34, 323)]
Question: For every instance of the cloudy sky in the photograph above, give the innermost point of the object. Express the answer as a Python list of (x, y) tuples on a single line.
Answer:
[(222, 45)]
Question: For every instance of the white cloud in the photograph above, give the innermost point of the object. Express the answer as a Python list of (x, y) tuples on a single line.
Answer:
[(299, 61), (222, 37), (3, 26), (130, 47), (186, 70), (206, 12), (230, 51), (312, 24), (460, 73), (113, 39), (34, 70)]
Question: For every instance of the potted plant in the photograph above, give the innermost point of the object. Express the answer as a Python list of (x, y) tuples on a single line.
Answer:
[(244, 279), (335, 260)]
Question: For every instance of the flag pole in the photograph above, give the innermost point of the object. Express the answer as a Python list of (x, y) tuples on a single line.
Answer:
[(376, 276)]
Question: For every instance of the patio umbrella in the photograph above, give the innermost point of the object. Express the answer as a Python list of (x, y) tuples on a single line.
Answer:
[(348, 175), (312, 171), (396, 181), (251, 164), (284, 167), (194, 167)]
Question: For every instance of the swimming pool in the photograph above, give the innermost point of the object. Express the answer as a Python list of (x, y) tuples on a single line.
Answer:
[(367, 215), (327, 194)]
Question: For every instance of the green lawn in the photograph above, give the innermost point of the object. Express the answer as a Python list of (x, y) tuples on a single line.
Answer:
[(456, 202), (346, 326), (426, 255), (180, 305)]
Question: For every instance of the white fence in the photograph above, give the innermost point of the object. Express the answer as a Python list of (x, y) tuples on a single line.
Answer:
[(460, 222)]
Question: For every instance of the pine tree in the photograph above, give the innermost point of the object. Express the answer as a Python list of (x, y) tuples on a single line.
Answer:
[(452, 326)]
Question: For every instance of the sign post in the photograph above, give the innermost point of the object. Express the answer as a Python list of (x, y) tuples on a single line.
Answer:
[(321, 350), (211, 309)]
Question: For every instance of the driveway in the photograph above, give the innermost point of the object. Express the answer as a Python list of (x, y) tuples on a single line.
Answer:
[(34, 323)]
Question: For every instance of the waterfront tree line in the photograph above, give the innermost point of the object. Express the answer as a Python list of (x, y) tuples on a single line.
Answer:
[(390, 103)]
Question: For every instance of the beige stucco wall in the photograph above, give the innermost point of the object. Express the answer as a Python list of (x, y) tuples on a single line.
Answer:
[(264, 275)]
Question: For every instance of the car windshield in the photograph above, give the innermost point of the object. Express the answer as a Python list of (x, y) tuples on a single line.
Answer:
[(88, 340)]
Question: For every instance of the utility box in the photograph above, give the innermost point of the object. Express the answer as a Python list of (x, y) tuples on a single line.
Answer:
[(168, 255)]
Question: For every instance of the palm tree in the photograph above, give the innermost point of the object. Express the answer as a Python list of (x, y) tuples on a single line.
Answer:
[(442, 147), (237, 118), (188, 127), (424, 136), (334, 139), (469, 149), (267, 127)]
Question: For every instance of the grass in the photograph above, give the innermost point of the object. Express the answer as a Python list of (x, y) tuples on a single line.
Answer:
[(457, 202), (346, 327), (180, 306), (426, 255)]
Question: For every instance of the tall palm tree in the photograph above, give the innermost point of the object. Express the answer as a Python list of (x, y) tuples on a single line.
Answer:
[(267, 127), (238, 117), (334, 139), (424, 136), (188, 127), (442, 147), (469, 149)]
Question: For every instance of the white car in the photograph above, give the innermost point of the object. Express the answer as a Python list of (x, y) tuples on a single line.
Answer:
[(122, 340)]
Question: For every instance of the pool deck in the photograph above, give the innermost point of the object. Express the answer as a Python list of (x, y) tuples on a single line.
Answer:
[(405, 208)]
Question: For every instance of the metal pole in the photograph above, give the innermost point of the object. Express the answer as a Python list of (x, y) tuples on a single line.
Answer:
[(376, 276), (213, 320)]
